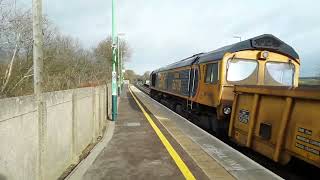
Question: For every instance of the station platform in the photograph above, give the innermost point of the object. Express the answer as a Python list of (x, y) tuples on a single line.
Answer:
[(149, 141)]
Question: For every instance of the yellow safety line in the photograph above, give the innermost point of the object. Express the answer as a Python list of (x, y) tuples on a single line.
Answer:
[(175, 156)]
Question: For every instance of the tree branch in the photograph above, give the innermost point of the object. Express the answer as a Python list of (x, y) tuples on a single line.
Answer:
[(9, 70)]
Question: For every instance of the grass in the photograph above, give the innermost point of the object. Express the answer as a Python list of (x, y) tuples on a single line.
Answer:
[(309, 81)]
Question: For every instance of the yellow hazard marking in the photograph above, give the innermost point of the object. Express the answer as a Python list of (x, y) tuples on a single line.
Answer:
[(175, 156)]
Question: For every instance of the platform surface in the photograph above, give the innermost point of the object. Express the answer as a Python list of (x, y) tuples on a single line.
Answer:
[(137, 151)]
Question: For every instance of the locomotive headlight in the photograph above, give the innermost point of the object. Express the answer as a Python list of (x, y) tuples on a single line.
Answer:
[(264, 55), (227, 110)]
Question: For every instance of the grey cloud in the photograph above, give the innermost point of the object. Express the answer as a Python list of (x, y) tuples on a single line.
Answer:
[(161, 32)]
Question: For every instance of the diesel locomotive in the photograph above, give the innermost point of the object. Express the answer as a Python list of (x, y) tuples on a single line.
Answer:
[(203, 85)]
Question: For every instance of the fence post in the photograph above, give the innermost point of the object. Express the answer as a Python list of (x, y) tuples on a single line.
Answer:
[(37, 68), (93, 114), (101, 106), (74, 125), (98, 108)]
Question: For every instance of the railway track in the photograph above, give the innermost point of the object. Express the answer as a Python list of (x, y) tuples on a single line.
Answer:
[(295, 169)]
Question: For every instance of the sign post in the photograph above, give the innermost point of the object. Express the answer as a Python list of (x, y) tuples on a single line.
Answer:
[(114, 72)]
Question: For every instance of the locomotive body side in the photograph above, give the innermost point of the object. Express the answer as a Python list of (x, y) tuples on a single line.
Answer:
[(203, 84)]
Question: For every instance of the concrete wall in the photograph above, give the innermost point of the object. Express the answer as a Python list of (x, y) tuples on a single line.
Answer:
[(75, 119)]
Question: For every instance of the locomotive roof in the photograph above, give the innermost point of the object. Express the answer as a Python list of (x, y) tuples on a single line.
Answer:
[(262, 42)]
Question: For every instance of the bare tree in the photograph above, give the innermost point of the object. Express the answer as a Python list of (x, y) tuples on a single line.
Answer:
[(130, 75), (146, 76), (66, 63), (9, 69)]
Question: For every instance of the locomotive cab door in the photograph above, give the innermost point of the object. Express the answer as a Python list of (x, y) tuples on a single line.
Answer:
[(210, 85), (153, 79)]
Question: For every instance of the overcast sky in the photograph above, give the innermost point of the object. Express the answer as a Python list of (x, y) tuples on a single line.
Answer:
[(163, 31)]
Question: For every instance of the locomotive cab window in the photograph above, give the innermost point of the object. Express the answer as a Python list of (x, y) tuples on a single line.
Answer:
[(242, 71), (279, 74), (212, 73)]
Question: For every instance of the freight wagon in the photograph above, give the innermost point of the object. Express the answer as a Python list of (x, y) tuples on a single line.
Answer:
[(278, 122)]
